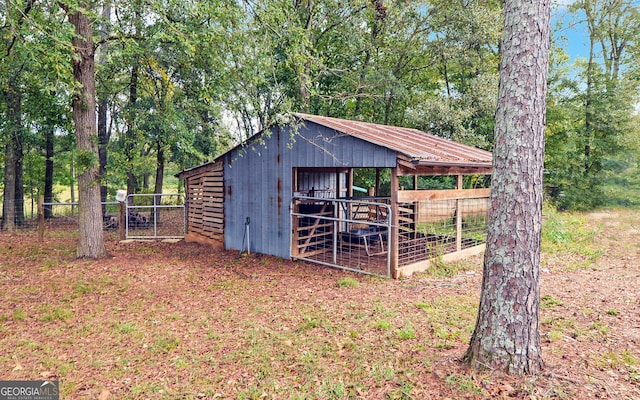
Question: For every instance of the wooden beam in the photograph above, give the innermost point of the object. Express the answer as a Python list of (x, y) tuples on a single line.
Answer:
[(217, 242), (408, 196), (434, 170), (406, 164), (408, 270)]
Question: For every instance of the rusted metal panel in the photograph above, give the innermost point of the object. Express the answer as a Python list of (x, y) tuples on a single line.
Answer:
[(421, 147)]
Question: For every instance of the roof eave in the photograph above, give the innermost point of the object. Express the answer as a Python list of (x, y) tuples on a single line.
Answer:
[(431, 163)]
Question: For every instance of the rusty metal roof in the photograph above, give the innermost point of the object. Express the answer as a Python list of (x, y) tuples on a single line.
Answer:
[(421, 147)]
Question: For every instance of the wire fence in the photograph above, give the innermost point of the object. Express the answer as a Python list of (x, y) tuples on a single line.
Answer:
[(144, 216)]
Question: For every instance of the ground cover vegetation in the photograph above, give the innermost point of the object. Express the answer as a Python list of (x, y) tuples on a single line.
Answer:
[(179, 320)]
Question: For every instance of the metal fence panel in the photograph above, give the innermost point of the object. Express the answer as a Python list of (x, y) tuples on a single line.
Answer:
[(347, 234), (155, 216)]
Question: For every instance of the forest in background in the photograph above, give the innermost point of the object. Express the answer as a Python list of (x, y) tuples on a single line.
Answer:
[(180, 82)]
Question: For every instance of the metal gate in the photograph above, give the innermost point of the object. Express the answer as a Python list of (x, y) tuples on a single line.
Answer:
[(346, 234), (155, 216)]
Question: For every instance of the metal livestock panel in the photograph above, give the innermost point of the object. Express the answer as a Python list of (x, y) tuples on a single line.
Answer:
[(258, 180)]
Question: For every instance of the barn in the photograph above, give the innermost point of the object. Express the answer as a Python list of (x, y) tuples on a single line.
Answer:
[(364, 197)]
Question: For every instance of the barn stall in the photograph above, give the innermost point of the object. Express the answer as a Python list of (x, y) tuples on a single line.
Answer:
[(289, 191)]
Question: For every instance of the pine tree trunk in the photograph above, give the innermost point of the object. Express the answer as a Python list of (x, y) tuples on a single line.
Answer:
[(506, 335), (91, 241)]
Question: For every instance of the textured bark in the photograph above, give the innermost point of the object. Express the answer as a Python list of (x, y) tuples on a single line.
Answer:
[(12, 95), (103, 141), (91, 240), (506, 335), (103, 131), (160, 163), (48, 172), (19, 186), (131, 137)]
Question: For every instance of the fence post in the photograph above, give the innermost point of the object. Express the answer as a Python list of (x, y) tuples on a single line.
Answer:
[(121, 220), (40, 218)]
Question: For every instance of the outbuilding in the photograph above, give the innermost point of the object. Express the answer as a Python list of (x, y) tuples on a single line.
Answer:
[(289, 192)]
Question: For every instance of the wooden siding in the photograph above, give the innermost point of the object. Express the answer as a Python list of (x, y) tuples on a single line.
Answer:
[(205, 202)]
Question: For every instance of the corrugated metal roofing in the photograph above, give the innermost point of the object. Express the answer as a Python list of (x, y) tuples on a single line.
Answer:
[(421, 147)]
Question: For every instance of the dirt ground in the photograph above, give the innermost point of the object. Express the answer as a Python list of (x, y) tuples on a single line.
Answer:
[(178, 320)]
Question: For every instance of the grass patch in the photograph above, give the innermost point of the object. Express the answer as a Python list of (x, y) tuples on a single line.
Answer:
[(55, 314), (19, 314), (81, 288), (348, 282), (464, 384), (451, 319), (406, 333), (548, 301), (568, 234), (165, 344), (125, 328), (382, 325)]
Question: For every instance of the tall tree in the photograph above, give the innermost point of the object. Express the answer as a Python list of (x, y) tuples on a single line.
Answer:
[(104, 132), (591, 113), (506, 335), (13, 67), (90, 222), (13, 97)]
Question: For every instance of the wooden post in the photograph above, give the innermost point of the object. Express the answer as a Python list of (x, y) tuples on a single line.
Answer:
[(40, 218), (295, 233), (350, 183), (395, 234), (294, 179), (459, 217), (122, 221)]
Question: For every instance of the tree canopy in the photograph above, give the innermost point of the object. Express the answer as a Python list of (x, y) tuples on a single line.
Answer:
[(178, 83)]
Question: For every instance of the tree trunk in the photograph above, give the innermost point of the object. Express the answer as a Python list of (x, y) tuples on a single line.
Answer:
[(131, 136), (19, 187), (588, 104), (91, 241), (103, 141), (48, 170), (14, 101), (103, 131), (506, 335), (159, 180)]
